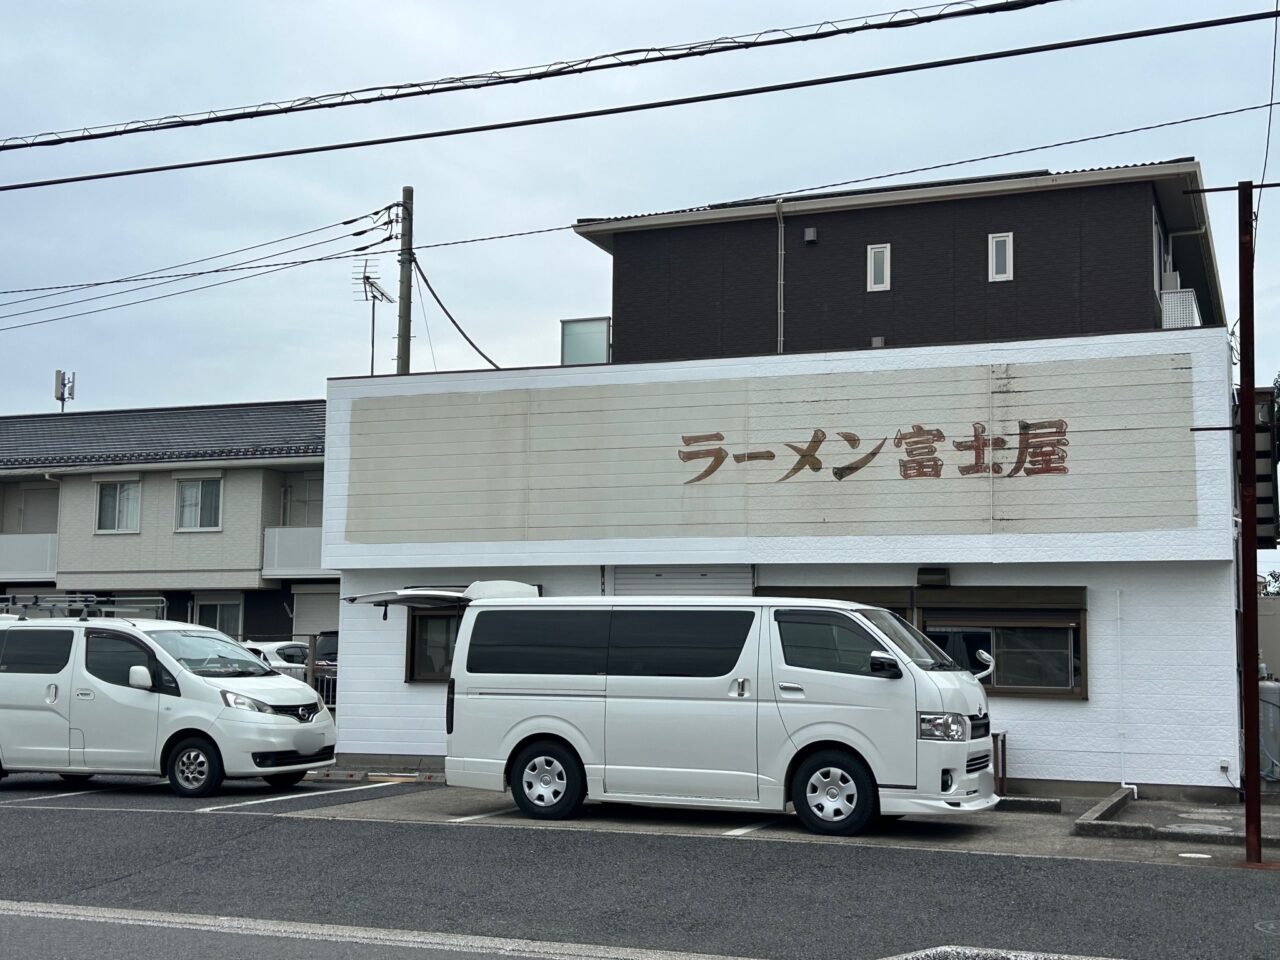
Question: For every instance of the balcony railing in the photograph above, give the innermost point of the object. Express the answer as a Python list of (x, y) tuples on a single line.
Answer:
[(28, 556), (292, 552), (1179, 309)]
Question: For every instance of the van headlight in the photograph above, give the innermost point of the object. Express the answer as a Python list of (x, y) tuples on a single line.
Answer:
[(238, 701), (942, 726)]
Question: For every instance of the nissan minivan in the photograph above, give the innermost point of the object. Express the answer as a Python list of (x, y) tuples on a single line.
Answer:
[(80, 697), (840, 711)]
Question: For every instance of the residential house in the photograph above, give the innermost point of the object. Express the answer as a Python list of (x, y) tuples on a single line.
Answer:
[(971, 402), (214, 510)]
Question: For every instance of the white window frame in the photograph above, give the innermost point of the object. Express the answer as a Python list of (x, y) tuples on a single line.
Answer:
[(872, 250), (218, 599), (992, 239), (177, 504), (97, 507)]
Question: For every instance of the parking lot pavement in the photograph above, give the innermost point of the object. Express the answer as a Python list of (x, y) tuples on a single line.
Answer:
[(992, 832), (152, 795)]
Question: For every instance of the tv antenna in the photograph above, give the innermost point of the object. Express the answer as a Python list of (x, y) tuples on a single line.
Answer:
[(64, 387), (365, 277)]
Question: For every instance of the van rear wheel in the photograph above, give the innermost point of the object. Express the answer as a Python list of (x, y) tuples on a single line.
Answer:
[(833, 793), (547, 781)]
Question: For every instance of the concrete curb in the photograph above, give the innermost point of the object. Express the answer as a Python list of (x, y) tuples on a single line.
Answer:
[(332, 775), (1030, 804), (976, 953), (1097, 822)]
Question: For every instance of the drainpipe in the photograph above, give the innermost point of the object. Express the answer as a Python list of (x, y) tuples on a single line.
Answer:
[(782, 313), (1120, 684)]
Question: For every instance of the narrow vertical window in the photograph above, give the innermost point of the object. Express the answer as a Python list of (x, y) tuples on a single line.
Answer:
[(878, 266), (999, 256)]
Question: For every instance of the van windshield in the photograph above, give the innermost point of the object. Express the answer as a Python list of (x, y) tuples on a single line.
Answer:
[(208, 653), (923, 651)]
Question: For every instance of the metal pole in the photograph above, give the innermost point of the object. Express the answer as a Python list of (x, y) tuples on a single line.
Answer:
[(373, 327), (1250, 776), (406, 279)]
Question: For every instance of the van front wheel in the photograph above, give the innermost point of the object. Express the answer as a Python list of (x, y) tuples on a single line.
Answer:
[(833, 793), (547, 781), (195, 768)]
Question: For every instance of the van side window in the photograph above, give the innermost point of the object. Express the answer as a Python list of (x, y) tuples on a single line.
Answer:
[(34, 650), (539, 641), (677, 643), (108, 656), (817, 640)]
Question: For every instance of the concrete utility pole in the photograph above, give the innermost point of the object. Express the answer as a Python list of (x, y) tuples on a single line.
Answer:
[(406, 280)]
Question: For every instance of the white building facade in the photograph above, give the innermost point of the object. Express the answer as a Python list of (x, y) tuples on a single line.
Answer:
[(1046, 500)]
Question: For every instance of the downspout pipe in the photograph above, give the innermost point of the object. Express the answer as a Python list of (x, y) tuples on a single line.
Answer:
[(782, 311)]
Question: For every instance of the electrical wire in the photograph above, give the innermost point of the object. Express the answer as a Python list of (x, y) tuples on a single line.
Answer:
[(357, 251), (905, 17), (1266, 153), (162, 282), (375, 214), (425, 324), (917, 67), (440, 303)]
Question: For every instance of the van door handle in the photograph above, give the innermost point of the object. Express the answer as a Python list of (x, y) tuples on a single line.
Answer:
[(791, 687), (84, 694), (51, 693), (740, 686)]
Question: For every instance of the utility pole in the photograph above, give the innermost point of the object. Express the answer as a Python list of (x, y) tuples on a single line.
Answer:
[(406, 280), (1250, 776)]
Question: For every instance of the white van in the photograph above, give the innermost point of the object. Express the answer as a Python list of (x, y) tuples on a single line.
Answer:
[(840, 710), (80, 697)]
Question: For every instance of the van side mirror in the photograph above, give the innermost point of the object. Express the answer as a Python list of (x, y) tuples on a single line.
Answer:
[(987, 660), (884, 665), (140, 677)]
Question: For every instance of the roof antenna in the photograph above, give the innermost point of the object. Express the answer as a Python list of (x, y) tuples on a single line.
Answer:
[(64, 387), (371, 291)]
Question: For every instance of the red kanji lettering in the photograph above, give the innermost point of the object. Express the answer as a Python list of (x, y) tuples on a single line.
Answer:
[(1042, 447), (980, 445), (921, 448)]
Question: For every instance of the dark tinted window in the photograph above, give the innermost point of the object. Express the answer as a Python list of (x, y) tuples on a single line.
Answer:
[(432, 637), (539, 641), (292, 654), (327, 646), (34, 650), (677, 643), (825, 641), (109, 656)]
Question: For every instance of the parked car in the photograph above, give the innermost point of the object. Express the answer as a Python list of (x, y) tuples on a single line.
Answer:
[(840, 710), (287, 656), (156, 698)]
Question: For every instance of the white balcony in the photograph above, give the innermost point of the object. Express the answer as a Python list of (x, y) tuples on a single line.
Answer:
[(292, 553), (28, 556), (1179, 310)]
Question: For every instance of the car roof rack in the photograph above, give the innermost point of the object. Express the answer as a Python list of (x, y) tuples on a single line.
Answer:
[(81, 605)]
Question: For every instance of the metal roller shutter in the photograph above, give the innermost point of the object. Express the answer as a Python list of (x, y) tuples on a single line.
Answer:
[(713, 581)]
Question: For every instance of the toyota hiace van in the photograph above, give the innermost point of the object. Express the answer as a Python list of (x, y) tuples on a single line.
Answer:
[(838, 710)]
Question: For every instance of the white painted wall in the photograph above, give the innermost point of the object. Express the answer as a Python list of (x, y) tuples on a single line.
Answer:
[(1162, 701)]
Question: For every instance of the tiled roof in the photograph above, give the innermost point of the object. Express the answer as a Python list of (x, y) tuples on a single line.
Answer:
[(293, 428)]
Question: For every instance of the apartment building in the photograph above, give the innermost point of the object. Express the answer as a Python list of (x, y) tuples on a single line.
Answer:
[(214, 511)]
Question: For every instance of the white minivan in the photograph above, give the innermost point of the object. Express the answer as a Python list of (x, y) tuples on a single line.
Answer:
[(839, 710), (80, 697)]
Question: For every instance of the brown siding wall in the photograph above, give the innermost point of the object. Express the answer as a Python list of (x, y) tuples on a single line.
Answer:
[(1082, 265)]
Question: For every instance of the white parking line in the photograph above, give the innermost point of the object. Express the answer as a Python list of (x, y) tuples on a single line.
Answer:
[(483, 816), (79, 793), (334, 933), (292, 796), (749, 828)]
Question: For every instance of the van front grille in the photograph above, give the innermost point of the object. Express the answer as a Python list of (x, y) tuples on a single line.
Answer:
[(303, 713), (978, 763)]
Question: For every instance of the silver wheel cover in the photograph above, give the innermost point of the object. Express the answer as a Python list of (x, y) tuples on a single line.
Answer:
[(831, 794), (192, 768), (544, 781)]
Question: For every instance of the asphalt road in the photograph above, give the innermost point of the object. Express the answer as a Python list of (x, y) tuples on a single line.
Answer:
[(137, 847)]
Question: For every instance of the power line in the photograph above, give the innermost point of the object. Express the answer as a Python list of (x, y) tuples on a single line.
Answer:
[(905, 17), (1266, 153), (658, 104), (165, 281), (425, 324), (440, 304), (358, 251), (188, 263)]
